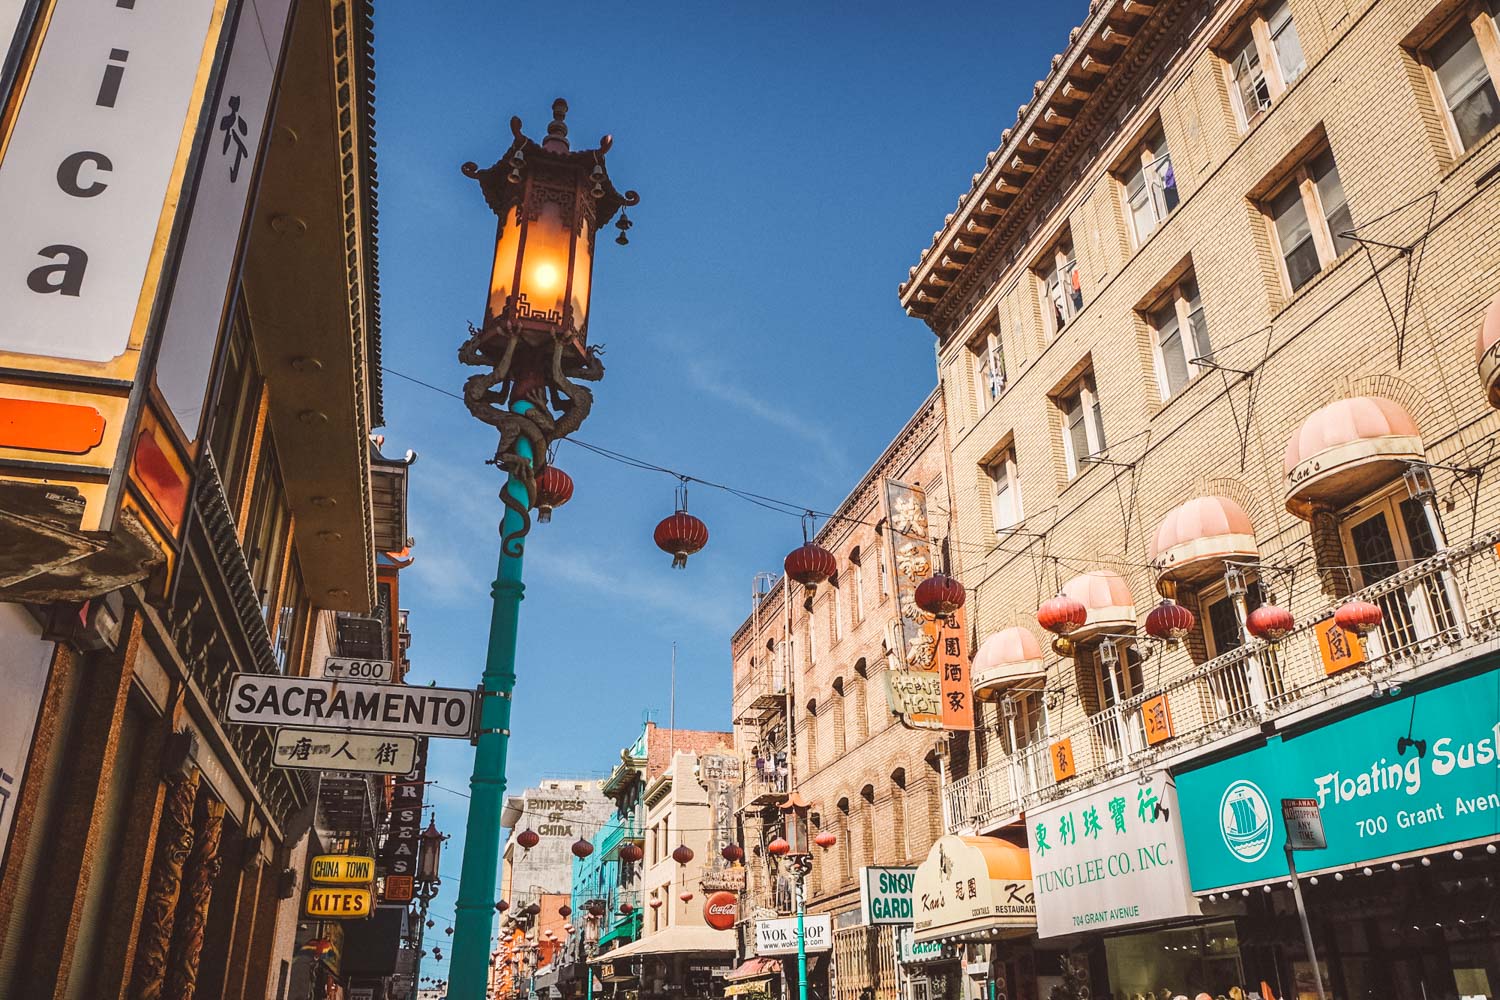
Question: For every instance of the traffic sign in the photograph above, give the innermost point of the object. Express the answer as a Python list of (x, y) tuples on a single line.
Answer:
[(320, 703), (343, 869), (365, 753), (1304, 825), (344, 668), (338, 904)]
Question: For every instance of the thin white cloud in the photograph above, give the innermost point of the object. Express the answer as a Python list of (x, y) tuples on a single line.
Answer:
[(593, 571), (712, 380)]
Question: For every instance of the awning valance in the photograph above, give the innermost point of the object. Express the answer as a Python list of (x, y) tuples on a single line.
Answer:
[(755, 967), (1107, 597), (1346, 450), (973, 887), (1006, 658), (1194, 539)]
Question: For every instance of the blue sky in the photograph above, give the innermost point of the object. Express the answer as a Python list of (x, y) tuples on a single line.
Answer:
[(792, 160)]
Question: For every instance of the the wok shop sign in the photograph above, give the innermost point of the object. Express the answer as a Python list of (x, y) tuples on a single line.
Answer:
[(1111, 858)]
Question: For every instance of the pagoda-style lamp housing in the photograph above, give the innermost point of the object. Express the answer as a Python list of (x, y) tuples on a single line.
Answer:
[(551, 202), (795, 823), (429, 850)]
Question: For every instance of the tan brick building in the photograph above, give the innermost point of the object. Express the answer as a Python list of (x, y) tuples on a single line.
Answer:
[(821, 663), (1207, 225)]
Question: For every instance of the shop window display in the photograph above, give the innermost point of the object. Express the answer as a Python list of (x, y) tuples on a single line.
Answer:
[(1185, 961)]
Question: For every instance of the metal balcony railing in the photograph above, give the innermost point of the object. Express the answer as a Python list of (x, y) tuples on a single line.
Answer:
[(761, 693), (1433, 608)]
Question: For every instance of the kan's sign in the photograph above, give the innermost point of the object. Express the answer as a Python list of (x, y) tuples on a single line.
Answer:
[(779, 937), (319, 703), (1109, 859), (885, 894)]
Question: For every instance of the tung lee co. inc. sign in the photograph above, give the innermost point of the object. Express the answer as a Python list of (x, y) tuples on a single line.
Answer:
[(1109, 859)]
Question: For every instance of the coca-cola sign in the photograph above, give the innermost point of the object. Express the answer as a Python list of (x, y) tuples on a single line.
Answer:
[(720, 910)]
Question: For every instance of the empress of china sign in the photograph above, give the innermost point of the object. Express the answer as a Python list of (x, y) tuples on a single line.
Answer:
[(1110, 859)]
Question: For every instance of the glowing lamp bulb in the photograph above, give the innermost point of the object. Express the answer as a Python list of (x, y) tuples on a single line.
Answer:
[(546, 276)]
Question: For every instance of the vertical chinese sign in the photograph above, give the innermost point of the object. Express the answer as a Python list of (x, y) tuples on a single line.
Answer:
[(399, 857), (933, 689)]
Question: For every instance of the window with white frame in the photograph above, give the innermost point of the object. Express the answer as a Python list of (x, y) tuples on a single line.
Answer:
[(1464, 63), (1222, 626), (1264, 61), (1007, 489), (1382, 536), (1311, 218), (1083, 423), (1025, 718), (1180, 330), (1062, 284), (989, 368), (1150, 186)]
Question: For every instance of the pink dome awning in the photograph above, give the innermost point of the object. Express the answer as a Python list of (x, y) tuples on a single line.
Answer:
[(1107, 597), (1194, 539), (1007, 657), (1346, 450), (1487, 352)]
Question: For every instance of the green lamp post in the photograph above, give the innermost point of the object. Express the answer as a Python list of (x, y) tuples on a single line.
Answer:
[(551, 202)]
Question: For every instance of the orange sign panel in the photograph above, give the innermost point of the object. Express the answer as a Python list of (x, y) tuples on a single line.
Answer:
[(398, 889), (38, 425), (1064, 765), (1157, 716), (1340, 649), (952, 661)]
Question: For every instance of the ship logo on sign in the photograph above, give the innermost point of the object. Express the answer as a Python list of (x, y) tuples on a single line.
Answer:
[(1245, 821)]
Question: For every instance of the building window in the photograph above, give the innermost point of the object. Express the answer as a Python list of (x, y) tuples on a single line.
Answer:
[(1223, 630), (989, 368), (1384, 536), (1150, 186), (1311, 217), (1083, 423), (835, 614), (885, 584), (1007, 496), (1465, 62), (236, 416), (1181, 334), (267, 532), (859, 584), (1264, 62), (1058, 271)]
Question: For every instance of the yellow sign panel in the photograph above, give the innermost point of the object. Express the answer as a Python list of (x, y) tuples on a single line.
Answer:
[(343, 869), (1064, 765), (338, 904)]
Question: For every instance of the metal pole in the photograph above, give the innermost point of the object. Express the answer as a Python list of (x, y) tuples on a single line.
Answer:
[(802, 870), (474, 916), (1307, 941)]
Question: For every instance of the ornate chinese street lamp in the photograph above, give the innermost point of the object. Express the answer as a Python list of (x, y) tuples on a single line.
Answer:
[(551, 203), (429, 852), (796, 854)]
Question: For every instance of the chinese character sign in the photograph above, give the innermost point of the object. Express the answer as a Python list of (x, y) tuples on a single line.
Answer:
[(912, 556), (1111, 858), (951, 642)]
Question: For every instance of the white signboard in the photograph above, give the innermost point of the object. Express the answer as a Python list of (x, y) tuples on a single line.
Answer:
[(321, 750), (1109, 859), (718, 767), (200, 290), (1304, 825), (911, 952), (779, 937), (84, 183), (345, 669), (319, 703), (885, 894), (28, 661)]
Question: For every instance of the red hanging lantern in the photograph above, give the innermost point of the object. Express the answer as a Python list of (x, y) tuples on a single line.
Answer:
[(826, 839), (685, 895), (631, 853), (779, 847), (596, 907), (533, 909), (582, 849), (1062, 614), (940, 595), (732, 853), (1360, 617), (565, 910), (656, 904), (1269, 623), (626, 909), (502, 906), (1170, 621), (683, 854), (528, 839), (681, 534), (811, 565), (554, 487)]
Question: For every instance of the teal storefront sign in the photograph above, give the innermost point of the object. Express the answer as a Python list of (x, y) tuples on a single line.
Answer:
[(1377, 799)]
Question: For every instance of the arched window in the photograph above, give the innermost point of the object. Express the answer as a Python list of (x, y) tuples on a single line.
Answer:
[(898, 813), (810, 734), (840, 709), (845, 849), (861, 711), (867, 824)]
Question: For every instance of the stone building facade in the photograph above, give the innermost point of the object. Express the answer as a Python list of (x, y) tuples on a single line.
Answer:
[(811, 714)]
